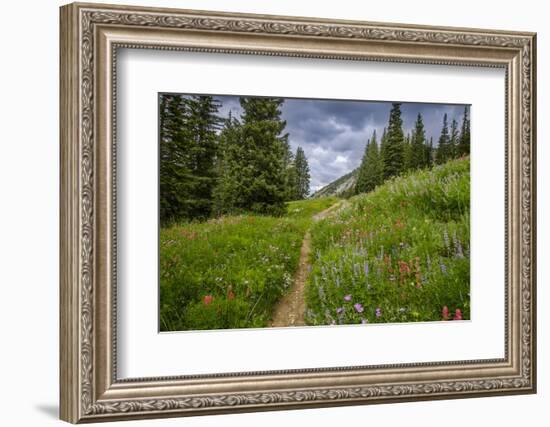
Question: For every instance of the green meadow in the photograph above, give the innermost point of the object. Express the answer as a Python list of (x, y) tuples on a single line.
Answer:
[(229, 272)]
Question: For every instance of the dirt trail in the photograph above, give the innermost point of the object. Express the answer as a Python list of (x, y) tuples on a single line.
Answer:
[(290, 310)]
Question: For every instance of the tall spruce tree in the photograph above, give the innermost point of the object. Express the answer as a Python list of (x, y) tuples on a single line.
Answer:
[(290, 175), (443, 152), (370, 172), (430, 153), (383, 147), (174, 171), (202, 125), (302, 174), (407, 153), (256, 175), (453, 139), (226, 193), (188, 146), (464, 142), (419, 158), (393, 148)]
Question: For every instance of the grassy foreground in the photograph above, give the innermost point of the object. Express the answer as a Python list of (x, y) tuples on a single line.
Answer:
[(398, 254), (229, 272)]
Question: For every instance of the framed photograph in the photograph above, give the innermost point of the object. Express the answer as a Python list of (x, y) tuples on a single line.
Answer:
[(267, 212)]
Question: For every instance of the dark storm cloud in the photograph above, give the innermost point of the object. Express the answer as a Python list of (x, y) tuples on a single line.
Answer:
[(333, 133)]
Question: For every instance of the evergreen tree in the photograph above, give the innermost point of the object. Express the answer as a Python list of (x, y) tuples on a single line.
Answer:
[(393, 148), (464, 142), (407, 153), (301, 168), (430, 154), (383, 147), (443, 152), (188, 146), (256, 151), (226, 193), (454, 140), (419, 155), (290, 172), (172, 170), (202, 126), (370, 172)]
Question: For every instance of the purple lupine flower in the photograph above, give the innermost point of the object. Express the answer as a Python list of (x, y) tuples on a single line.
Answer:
[(378, 312), (358, 307), (364, 321), (459, 249), (339, 310), (446, 239), (366, 268), (347, 297), (443, 268)]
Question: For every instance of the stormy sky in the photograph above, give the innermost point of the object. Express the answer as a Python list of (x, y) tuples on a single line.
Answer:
[(333, 133)]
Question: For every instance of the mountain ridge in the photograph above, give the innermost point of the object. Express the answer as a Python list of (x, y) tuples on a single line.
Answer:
[(340, 187)]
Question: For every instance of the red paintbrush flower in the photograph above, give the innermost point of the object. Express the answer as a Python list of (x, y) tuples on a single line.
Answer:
[(403, 267), (445, 313), (207, 299), (458, 314)]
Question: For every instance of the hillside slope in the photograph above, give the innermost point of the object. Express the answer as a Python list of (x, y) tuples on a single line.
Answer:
[(397, 254), (341, 187)]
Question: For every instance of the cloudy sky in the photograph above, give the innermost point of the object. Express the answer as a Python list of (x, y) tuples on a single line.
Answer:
[(333, 133)]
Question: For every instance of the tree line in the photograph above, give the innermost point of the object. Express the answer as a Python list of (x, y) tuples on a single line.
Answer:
[(210, 166), (397, 153)]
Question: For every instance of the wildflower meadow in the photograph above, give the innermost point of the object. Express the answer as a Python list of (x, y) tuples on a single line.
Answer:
[(398, 254), (230, 271), (280, 212)]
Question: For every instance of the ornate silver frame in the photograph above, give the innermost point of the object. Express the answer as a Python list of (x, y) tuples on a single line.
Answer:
[(90, 35)]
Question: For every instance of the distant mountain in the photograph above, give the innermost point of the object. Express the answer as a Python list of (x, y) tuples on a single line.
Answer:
[(342, 187)]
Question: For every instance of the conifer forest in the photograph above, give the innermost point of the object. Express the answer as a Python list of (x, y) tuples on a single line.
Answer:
[(282, 212)]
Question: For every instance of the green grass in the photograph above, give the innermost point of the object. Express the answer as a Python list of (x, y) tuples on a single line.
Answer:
[(229, 272), (401, 252)]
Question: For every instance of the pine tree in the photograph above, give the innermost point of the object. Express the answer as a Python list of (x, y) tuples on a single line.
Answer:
[(291, 178), (454, 140), (430, 154), (301, 168), (419, 155), (203, 125), (464, 142), (393, 148), (173, 171), (226, 193), (407, 153), (443, 148), (188, 146), (383, 147), (254, 161), (370, 172)]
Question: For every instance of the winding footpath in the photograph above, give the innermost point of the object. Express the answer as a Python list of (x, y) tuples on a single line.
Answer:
[(290, 310)]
